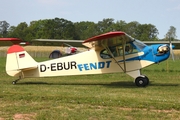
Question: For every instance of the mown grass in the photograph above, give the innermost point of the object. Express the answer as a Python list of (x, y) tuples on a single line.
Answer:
[(93, 97)]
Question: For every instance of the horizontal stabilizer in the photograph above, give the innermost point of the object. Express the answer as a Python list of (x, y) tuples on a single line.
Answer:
[(29, 68)]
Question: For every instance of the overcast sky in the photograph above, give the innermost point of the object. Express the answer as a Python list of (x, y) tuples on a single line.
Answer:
[(160, 13)]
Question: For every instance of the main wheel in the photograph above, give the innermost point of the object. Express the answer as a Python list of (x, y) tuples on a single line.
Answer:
[(147, 79), (142, 81)]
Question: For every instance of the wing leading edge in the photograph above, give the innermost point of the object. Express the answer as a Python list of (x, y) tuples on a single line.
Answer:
[(109, 39), (56, 42), (9, 41), (12, 41)]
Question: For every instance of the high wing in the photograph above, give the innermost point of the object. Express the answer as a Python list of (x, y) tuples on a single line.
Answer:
[(56, 42), (12, 41), (9, 41), (108, 41), (91, 41)]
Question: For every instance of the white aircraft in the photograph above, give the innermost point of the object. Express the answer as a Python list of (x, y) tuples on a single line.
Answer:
[(108, 53)]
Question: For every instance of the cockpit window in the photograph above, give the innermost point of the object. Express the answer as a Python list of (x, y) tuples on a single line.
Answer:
[(117, 51), (121, 45), (104, 54), (139, 45)]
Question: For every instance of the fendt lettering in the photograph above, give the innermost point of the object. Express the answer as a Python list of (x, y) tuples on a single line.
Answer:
[(96, 65)]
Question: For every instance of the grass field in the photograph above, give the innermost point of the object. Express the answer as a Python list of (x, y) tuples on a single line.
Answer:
[(93, 97)]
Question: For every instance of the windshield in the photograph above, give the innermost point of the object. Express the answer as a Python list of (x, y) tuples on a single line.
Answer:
[(139, 45)]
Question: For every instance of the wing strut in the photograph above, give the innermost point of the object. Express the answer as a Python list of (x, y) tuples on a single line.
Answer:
[(111, 54), (124, 59)]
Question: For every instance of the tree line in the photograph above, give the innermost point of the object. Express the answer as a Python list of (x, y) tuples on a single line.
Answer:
[(59, 28)]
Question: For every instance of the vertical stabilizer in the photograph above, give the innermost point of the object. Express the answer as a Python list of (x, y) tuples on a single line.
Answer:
[(18, 60)]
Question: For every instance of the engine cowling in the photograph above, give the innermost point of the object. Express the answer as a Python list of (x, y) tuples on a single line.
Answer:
[(163, 49)]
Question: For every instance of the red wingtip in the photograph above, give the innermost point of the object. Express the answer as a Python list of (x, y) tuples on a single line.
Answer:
[(15, 48)]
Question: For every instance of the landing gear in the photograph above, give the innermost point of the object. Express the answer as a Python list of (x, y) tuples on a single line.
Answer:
[(15, 81), (142, 81)]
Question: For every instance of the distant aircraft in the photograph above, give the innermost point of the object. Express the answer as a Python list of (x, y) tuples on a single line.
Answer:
[(12, 41), (111, 52), (71, 46)]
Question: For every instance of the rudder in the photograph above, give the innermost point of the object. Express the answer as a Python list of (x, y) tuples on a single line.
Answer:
[(18, 60)]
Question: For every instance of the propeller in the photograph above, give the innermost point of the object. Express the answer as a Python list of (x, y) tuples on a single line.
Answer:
[(171, 49)]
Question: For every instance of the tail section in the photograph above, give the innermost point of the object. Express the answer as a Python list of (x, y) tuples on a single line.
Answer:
[(18, 60)]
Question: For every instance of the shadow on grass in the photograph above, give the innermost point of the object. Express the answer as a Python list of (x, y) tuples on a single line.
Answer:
[(119, 84), (108, 84), (164, 84)]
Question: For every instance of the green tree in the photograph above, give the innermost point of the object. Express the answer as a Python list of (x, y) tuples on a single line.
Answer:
[(171, 34), (4, 28), (11, 32), (147, 32), (120, 26), (63, 29), (53, 29), (106, 25), (36, 28), (21, 31), (85, 30), (132, 28), (59, 28)]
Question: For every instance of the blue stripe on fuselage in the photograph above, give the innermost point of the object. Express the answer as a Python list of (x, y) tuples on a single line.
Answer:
[(150, 54)]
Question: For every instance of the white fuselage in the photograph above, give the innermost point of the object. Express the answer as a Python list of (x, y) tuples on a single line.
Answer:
[(88, 62)]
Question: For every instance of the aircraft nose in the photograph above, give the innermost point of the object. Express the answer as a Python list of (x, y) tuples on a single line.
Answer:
[(163, 49)]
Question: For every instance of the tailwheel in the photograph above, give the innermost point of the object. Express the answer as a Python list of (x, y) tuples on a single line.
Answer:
[(15, 81), (142, 81)]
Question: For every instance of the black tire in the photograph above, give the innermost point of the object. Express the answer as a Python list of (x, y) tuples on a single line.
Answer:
[(147, 79), (142, 81)]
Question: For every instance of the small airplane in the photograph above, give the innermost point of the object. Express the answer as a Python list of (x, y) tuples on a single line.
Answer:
[(12, 41), (110, 52), (69, 44)]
